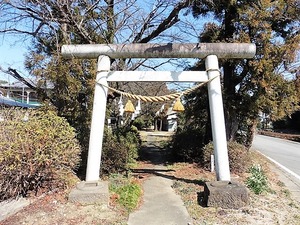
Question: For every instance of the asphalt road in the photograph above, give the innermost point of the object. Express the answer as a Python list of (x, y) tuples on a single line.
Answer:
[(284, 152)]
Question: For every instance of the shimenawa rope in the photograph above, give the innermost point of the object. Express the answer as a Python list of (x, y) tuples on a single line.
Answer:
[(157, 98)]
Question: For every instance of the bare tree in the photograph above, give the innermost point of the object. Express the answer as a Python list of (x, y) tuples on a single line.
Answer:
[(50, 24), (53, 23), (113, 20)]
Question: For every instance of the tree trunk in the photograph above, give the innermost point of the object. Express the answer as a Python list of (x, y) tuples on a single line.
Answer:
[(251, 132), (160, 124), (231, 118)]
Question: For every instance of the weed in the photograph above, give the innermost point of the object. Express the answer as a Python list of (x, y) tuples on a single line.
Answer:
[(258, 181), (129, 196), (128, 191), (297, 217), (280, 184), (293, 205), (164, 144), (176, 184), (286, 192)]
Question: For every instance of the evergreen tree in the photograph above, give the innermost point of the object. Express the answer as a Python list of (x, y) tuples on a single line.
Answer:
[(255, 85)]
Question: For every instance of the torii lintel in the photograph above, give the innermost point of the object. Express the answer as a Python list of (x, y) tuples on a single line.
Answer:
[(167, 50)]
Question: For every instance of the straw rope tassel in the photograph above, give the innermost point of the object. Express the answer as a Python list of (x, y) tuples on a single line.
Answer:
[(129, 107), (178, 107)]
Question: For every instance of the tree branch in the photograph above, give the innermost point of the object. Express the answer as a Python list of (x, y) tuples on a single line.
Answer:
[(167, 22)]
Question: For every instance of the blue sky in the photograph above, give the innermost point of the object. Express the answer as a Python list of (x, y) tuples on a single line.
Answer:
[(12, 51)]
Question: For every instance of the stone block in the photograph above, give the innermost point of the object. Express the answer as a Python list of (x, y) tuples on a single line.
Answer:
[(90, 193), (224, 194)]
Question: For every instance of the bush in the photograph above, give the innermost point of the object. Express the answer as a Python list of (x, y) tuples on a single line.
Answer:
[(238, 155), (132, 141), (139, 123), (114, 154), (258, 181), (38, 151), (142, 122), (120, 150), (186, 145)]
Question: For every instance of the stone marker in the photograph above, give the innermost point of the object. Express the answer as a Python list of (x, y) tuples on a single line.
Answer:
[(224, 194)]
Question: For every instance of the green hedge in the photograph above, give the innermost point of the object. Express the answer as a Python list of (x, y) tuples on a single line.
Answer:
[(38, 151), (120, 150)]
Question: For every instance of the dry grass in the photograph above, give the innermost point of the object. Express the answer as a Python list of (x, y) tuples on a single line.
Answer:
[(273, 207), (55, 209)]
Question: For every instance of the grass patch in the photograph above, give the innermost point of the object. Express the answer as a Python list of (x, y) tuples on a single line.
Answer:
[(257, 181), (127, 191)]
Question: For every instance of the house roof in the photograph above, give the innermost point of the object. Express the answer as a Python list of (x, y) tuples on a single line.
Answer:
[(10, 102), (20, 85)]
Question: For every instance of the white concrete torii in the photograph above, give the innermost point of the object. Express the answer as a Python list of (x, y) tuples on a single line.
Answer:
[(210, 51)]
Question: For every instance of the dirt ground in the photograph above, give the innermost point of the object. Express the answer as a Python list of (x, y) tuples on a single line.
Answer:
[(55, 209), (273, 207)]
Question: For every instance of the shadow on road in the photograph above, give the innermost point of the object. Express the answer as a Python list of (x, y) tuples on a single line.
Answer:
[(160, 158), (155, 155)]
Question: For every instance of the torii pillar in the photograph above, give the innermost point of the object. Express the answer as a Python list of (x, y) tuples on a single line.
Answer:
[(210, 51)]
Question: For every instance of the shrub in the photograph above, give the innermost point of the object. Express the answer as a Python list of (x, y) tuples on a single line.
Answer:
[(258, 181), (37, 152), (120, 150), (139, 123), (114, 154), (144, 121), (132, 141), (238, 155), (186, 145)]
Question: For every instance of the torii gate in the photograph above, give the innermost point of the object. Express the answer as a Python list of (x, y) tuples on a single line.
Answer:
[(210, 51)]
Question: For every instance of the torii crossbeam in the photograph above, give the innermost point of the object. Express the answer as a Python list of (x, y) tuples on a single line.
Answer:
[(210, 51)]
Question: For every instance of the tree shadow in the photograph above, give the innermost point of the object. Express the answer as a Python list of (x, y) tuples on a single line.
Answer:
[(155, 154), (161, 173)]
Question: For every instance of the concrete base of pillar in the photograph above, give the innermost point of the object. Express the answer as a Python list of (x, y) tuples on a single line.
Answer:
[(90, 193), (224, 194)]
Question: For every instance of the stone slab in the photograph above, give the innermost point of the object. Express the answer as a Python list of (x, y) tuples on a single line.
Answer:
[(224, 194), (87, 193), (10, 207)]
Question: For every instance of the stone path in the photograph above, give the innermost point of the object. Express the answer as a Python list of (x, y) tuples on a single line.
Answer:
[(161, 205)]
